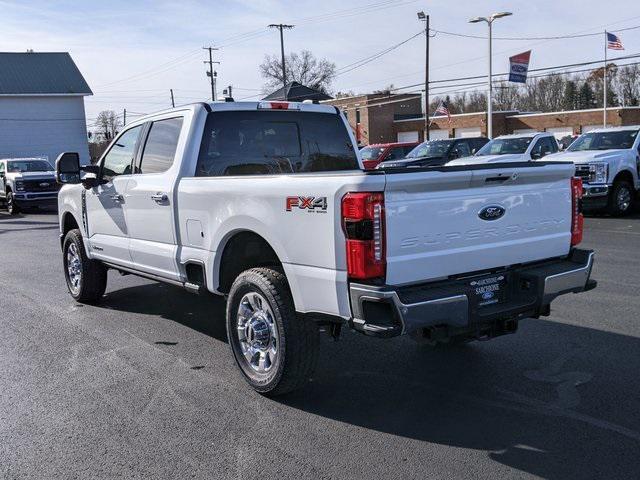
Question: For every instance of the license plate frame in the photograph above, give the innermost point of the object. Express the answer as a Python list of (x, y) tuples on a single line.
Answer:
[(489, 290)]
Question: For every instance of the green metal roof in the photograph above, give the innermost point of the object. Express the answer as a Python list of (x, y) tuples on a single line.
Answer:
[(34, 73)]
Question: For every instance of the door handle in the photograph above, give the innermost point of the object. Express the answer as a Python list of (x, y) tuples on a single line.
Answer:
[(160, 197), (117, 198)]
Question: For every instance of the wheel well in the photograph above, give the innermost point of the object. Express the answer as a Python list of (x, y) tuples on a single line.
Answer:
[(624, 175), (68, 224), (243, 251)]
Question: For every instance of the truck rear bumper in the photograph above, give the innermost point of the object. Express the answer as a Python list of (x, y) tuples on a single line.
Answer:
[(528, 290)]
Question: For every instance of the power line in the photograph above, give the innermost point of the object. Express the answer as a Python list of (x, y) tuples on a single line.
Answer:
[(475, 77), (555, 37), (359, 63)]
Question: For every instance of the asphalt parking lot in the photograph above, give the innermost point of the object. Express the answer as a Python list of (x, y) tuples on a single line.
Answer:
[(144, 385)]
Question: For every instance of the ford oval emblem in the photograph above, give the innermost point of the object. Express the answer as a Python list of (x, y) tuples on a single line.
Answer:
[(491, 212)]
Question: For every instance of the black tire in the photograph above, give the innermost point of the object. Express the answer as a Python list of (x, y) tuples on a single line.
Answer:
[(622, 190), (11, 205), (294, 340), (92, 280)]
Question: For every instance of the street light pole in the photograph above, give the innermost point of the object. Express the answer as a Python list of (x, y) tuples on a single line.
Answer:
[(489, 20), (425, 18)]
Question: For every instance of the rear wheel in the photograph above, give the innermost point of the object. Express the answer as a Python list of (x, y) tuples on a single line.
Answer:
[(275, 349), (12, 207), (86, 278), (621, 198)]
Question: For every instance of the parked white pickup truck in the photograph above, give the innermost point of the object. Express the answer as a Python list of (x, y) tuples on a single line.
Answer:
[(267, 204), (608, 161), (519, 147)]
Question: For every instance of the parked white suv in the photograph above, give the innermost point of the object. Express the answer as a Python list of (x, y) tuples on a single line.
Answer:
[(266, 204), (520, 147), (608, 161)]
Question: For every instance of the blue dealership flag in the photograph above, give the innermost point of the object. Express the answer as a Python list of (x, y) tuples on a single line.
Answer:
[(519, 67)]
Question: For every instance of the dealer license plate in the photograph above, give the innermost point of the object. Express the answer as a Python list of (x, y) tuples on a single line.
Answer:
[(489, 290)]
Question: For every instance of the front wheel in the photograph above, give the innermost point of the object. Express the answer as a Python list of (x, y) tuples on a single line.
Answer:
[(86, 278), (12, 207), (621, 198), (275, 349)]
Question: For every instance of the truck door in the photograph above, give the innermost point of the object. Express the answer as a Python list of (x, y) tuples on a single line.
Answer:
[(150, 202), (107, 223)]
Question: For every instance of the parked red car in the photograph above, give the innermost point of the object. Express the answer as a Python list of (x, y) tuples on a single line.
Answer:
[(372, 155)]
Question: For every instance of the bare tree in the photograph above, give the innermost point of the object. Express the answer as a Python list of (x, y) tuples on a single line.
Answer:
[(301, 67), (627, 85), (108, 124)]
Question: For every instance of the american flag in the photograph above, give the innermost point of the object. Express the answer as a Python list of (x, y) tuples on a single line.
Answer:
[(443, 109), (614, 42)]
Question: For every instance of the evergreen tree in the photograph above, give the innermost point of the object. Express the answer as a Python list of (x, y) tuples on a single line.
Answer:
[(570, 96), (586, 97)]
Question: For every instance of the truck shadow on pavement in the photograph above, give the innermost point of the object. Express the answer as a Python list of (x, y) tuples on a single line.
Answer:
[(193, 311), (555, 400)]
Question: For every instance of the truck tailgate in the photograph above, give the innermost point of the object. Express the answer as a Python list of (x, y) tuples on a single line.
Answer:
[(434, 227)]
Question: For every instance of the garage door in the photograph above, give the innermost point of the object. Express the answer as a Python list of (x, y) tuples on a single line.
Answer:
[(520, 131), (560, 132), (588, 128), (438, 134), (408, 137), (468, 132)]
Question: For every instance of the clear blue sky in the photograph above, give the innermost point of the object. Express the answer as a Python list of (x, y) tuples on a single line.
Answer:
[(131, 53)]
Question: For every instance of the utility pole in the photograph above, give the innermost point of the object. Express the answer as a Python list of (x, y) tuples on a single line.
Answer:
[(604, 87), (228, 92), (212, 74), (425, 19), (173, 102), (281, 27), (124, 117)]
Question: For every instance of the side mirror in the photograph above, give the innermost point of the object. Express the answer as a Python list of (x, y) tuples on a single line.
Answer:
[(68, 168)]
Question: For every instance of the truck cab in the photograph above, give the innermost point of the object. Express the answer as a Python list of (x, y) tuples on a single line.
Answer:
[(608, 162)]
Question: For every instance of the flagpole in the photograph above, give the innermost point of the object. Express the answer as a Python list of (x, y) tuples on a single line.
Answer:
[(604, 76)]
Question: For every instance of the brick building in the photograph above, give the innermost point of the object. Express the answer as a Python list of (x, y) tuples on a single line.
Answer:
[(473, 124), (385, 117), (373, 116)]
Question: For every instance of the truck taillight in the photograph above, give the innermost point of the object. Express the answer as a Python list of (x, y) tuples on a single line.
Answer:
[(363, 224), (577, 220)]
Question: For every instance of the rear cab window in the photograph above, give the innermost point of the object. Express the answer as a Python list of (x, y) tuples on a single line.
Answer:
[(274, 142)]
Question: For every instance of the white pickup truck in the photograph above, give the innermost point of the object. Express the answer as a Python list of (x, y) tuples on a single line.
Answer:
[(267, 204), (608, 161)]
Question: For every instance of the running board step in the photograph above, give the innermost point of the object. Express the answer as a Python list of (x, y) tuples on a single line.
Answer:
[(193, 287)]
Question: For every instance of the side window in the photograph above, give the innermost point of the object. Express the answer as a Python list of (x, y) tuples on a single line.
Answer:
[(395, 153), (160, 147), (118, 160), (2, 167), (553, 144), (462, 149), (407, 149)]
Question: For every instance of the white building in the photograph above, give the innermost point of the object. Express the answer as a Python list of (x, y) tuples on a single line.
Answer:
[(42, 106)]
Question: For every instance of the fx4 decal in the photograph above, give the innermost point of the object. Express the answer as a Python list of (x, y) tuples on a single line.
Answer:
[(310, 204)]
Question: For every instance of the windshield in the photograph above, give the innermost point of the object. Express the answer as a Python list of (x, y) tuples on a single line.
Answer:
[(21, 166), (604, 141), (371, 153), (506, 146), (431, 149)]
